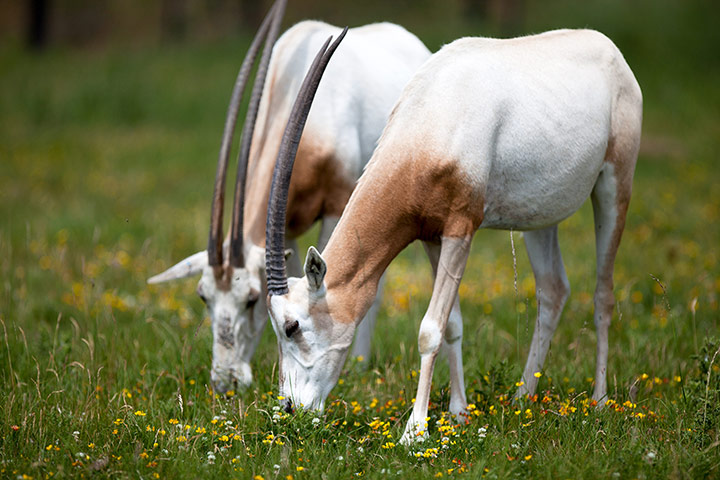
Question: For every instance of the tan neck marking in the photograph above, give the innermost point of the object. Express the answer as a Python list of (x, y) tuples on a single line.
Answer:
[(405, 194)]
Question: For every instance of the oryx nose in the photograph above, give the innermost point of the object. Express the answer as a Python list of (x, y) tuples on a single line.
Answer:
[(222, 386)]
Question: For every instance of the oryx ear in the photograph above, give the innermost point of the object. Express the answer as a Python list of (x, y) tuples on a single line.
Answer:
[(315, 268), (192, 265)]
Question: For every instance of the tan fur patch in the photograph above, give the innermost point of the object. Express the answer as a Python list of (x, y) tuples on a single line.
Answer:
[(413, 195), (318, 187)]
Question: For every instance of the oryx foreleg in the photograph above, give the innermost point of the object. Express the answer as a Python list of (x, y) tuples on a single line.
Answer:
[(451, 265)]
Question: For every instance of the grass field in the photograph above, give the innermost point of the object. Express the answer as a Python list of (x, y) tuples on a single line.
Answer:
[(106, 165)]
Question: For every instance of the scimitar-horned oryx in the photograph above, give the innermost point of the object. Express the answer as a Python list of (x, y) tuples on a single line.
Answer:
[(503, 134)]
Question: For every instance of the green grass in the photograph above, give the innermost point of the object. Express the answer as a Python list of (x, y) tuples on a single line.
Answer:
[(106, 166)]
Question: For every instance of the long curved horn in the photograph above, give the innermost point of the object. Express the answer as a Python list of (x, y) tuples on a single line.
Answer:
[(236, 227), (216, 213), (277, 208)]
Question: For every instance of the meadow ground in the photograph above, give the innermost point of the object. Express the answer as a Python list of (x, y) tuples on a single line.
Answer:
[(106, 164)]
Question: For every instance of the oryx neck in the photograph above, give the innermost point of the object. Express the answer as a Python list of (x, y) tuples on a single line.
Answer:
[(376, 226)]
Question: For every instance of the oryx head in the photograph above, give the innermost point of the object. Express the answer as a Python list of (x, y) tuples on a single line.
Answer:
[(311, 344), (231, 282)]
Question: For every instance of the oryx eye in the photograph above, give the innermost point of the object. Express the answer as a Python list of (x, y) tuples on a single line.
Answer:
[(291, 327), (253, 298), (201, 294)]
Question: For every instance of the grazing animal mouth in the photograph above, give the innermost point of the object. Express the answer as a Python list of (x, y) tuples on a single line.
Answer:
[(225, 385), (288, 407)]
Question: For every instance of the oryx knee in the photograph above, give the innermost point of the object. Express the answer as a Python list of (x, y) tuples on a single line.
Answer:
[(554, 291), (430, 337)]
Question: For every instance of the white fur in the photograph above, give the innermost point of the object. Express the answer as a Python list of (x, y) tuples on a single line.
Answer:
[(349, 112)]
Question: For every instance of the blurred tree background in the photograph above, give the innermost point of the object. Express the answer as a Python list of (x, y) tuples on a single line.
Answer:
[(664, 40), (652, 26)]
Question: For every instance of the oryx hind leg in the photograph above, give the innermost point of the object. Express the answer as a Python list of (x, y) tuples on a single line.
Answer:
[(610, 199), (551, 291), (453, 256)]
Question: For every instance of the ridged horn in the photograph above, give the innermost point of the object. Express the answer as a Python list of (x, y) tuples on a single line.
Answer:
[(277, 208), (216, 213), (236, 227)]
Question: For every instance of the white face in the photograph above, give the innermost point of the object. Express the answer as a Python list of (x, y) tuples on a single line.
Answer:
[(238, 317), (312, 346)]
